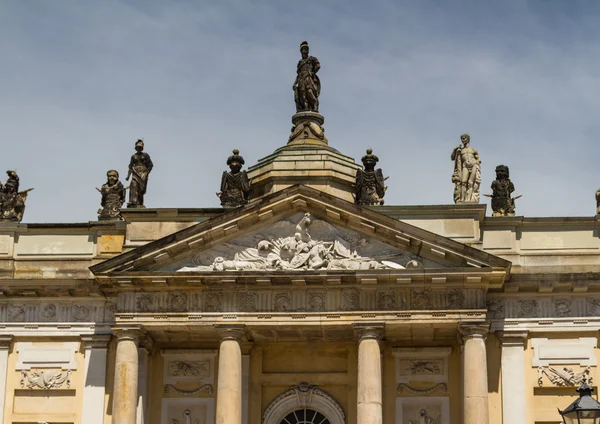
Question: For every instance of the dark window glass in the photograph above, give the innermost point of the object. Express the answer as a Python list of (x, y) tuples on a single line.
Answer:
[(305, 416)]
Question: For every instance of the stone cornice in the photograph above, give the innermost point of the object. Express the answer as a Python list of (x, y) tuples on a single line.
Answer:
[(5, 341), (513, 338), (96, 341)]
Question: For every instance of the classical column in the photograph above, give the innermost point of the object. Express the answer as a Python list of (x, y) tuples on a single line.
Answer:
[(144, 352), (5, 343), (229, 383), (94, 347), (475, 382), (125, 392), (513, 377), (369, 408)]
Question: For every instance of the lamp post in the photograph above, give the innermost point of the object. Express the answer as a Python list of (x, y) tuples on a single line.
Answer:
[(585, 410)]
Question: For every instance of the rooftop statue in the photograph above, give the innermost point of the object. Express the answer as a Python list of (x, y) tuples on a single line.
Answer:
[(598, 202), (307, 86), (502, 188), (140, 167), (370, 184), (113, 197), (467, 172), (12, 201), (235, 186)]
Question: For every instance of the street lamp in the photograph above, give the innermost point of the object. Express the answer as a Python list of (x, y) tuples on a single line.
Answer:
[(585, 410)]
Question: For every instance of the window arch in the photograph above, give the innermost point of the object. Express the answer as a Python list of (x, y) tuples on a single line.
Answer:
[(304, 404)]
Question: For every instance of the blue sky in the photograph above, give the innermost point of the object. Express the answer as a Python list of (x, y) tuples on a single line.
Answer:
[(81, 81)]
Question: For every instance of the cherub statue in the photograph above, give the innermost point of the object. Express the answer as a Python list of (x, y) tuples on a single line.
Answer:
[(424, 418), (370, 184), (12, 201), (235, 186)]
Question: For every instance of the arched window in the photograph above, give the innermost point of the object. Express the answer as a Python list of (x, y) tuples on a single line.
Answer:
[(304, 404), (305, 416)]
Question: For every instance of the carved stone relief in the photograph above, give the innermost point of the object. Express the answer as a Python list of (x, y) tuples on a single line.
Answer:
[(178, 301), (387, 301), (316, 301), (45, 379), (282, 302), (213, 301), (188, 365), (247, 301), (188, 411), (564, 376), (421, 365), (528, 308), (81, 313), (421, 299), (562, 307), (48, 312), (299, 243), (144, 303), (422, 410), (200, 369), (495, 309), (350, 300), (16, 313), (456, 299)]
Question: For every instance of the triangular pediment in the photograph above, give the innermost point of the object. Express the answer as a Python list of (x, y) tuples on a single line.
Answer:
[(298, 229)]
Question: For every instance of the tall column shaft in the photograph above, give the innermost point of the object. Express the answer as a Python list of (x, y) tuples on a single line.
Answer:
[(144, 352), (514, 410), (5, 343), (475, 382), (95, 348), (229, 383), (369, 397), (125, 393)]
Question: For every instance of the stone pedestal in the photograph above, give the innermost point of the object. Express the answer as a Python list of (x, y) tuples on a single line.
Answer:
[(513, 377), (475, 382), (229, 383), (95, 348), (306, 159), (369, 396), (5, 343), (125, 392)]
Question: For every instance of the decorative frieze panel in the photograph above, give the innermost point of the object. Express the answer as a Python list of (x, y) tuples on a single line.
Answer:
[(302, 300), (46, 311), (45, 379), (423, 410), (564, 376), (195, 365), (543, 307), (421, 364)]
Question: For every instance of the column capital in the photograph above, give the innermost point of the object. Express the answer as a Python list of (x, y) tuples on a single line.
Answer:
[(230, 331), (147, 344), (473, 330), (369, 331), (132, 333), (513, 338), (5, 341)]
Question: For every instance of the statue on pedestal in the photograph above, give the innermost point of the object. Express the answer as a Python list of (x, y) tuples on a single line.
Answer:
[(370, 184), (502, 188), (467, 172), (12, 201), (113, 197), (307, 86), (140, 167), (235, 186)]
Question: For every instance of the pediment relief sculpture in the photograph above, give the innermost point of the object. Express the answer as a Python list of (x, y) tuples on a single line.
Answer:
[(301, 243)]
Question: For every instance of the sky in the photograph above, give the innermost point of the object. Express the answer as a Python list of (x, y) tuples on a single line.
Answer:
[(81, 81)]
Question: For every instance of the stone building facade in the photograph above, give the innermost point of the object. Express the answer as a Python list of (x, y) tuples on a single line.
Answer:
[(422, 314)]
